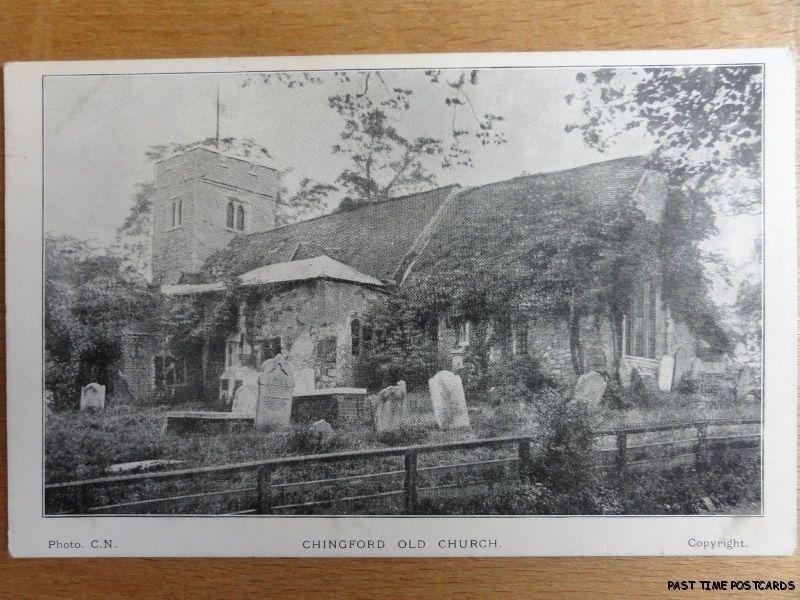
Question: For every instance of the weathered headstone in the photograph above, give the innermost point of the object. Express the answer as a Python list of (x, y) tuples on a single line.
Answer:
[(744, 382), (93, 396), (449, 404), (245, 399), (389, 407), (304, 381), (666, 373), (590, 388), (681, 366), (697, 367), (275, 387)]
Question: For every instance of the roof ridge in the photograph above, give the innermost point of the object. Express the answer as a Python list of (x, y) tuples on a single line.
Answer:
[(350, 210), (579, 167)]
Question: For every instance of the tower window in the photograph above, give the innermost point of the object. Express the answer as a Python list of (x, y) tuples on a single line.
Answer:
[(231, 210), (355, 337), (177, 209), (240, 218)]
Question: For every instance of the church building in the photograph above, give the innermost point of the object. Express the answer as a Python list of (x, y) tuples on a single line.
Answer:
[(214, 217)]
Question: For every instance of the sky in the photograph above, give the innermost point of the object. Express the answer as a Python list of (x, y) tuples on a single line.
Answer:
[(97, 129)]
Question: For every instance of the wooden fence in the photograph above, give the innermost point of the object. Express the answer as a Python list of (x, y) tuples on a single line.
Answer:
[(266, 486)]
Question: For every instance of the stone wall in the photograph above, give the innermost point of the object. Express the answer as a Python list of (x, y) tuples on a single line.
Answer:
[(136, 364), (548, 339), (312, 320)]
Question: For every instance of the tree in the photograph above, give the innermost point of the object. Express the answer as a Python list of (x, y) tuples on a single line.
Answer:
[(704, 122), (748, 309), (385, 161), (307, 199), (89, 298), (397, 342), (705, 126)]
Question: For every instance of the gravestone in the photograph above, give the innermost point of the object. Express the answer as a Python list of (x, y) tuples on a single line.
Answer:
[(93, 397), (389, 407), (666, 373), (697, 367), (744, 382), (590, 388), (681, 366), (304, 381), (275, 387), (245, 399), (449, 404)]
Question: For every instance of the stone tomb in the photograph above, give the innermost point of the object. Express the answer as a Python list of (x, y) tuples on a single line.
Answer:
[(666, 373), (275, 388), (304, 381), (338, 406), (390, 408), (93, 397), (590, 388), (449, 404)]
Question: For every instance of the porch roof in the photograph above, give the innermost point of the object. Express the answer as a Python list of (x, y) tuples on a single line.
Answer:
[(319, 267)]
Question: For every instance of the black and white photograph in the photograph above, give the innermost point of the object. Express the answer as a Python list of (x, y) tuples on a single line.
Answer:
[(474, 291), (511, 291)]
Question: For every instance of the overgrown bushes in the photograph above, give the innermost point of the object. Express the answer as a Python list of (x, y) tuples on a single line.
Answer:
[(732, 487), (512, 379)]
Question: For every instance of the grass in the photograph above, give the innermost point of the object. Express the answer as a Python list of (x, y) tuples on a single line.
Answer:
[(84, 445)]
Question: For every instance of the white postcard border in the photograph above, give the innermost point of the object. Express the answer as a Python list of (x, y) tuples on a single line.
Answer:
[(30, 533)]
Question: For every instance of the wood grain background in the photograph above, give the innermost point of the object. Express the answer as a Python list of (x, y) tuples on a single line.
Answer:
[(62, 30)]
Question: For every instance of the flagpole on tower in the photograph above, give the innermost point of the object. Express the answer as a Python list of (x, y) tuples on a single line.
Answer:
[(217, 117)]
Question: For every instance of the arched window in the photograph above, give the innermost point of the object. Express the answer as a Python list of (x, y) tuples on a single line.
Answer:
[(176, 213), (240, 218), (355, 337), (229, 221)]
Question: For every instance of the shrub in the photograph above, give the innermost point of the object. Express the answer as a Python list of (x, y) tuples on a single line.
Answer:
[(566, 460), (508, 380), (301, 440), (397, 343)]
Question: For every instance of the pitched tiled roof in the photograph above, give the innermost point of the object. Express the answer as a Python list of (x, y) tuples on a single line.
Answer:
[(603, 182), (378, 239), (372, 239)]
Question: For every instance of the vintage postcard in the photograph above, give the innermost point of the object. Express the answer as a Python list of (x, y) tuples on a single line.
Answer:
[(422, 305)]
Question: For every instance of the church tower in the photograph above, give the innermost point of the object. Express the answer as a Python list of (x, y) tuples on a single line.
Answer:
[(202, 200)]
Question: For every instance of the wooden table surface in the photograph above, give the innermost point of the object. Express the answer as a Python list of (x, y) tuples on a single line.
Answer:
[(63, 30)]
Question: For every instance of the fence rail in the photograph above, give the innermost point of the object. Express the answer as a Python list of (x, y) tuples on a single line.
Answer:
[(268, 494)]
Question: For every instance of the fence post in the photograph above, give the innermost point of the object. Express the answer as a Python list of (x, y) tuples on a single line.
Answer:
[(622, 455), (264, 492), (524, 460), (82, 500), (411, 482), (701, 456)]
